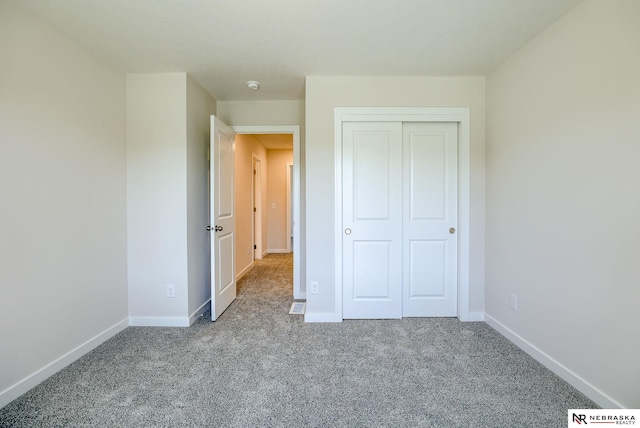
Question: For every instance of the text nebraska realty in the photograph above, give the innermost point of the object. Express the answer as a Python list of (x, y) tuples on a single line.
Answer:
[(610, 419)]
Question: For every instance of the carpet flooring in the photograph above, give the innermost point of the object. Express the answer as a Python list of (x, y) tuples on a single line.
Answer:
[(258, 366)]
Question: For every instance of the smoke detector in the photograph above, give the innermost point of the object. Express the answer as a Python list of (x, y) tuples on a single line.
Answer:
[(252, 84)]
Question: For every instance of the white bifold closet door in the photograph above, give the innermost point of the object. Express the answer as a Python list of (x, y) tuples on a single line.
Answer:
[(399, 219)]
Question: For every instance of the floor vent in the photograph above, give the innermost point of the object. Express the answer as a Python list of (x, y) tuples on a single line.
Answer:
[(297, 308)]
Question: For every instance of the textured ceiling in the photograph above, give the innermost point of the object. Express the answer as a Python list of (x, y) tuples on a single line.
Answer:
[(224, 43)]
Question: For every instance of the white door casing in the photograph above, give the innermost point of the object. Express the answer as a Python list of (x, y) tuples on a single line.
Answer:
[(430, 219), (372, 220), (290, 195), (222, 221)]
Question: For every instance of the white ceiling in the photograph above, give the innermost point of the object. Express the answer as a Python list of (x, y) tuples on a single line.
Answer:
[(223, 43)]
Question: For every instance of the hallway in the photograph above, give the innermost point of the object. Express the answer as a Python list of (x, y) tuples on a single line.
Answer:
[(271, 276)]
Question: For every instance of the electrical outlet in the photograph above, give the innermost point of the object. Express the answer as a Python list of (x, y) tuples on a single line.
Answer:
[(314, 287), (171, 290), (514, 302)]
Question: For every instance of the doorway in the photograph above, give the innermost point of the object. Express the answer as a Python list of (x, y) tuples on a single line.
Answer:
[(294, 131)]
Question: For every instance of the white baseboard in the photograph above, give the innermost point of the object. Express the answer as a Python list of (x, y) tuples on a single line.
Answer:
[(278, 251), (15, 391), (159, 321), (600, 398), (244, 271), (169, 321), (198, 312), (322, 317)]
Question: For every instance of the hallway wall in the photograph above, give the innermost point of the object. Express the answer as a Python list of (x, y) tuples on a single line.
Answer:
[(246, 147), (277, 233)]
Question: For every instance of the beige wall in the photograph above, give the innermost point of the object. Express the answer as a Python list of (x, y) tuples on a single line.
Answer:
[(323, 94), (156, 188), (277, 232), (563, 198), (63, 264), (247, 147), (167, 139), (200, 107)]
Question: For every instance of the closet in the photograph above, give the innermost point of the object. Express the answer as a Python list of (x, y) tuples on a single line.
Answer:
[(399, 219)]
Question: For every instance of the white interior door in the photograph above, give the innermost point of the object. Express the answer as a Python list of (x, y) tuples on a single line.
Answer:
[(430, 219), (372, 220), (222, 213)]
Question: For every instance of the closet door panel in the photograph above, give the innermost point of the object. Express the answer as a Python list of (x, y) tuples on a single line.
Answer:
[(372, 220), (430, 200)]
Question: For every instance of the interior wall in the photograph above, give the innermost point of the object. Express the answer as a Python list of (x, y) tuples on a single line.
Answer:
[(63, 207), (323, 94), (157, 197), (200, 107), (247, 146), (277, 232), (563, 196)]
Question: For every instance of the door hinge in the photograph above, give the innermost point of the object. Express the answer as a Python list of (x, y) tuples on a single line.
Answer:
[(255, 247), (255, 209)]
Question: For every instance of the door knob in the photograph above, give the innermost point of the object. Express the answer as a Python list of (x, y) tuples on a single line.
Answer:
[(218, 228), (347, 231), (452, 230)]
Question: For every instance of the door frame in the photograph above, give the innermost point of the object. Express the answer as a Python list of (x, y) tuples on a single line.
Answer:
[(294, 131), (459, 115), (256, 202), (289, 195)]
